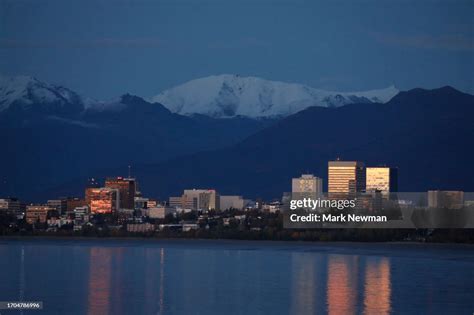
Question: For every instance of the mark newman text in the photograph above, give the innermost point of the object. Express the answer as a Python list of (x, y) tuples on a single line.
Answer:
[(312, 217)]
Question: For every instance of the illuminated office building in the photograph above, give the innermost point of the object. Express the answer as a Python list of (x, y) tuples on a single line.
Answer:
[(346, 177), (307, 185), (103, 200), (180, 202), (382, 179), (91, 187), (203, 199), (126, 188), (197, 199), (37, 213), (88, 194)]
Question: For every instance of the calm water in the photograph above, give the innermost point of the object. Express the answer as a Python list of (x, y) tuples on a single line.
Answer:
[(223, 277)]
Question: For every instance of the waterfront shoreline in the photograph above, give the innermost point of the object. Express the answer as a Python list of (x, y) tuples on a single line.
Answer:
[(236, 241)]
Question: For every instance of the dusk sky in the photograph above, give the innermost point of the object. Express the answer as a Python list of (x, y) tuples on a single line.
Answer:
[(105, 48)]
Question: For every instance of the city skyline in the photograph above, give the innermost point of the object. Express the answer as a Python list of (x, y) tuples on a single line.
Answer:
[(347, 177), (372, 189), (236, 156)]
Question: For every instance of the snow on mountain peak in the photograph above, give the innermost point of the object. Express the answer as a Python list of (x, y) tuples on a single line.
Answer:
[(27, 90), (230, 95)]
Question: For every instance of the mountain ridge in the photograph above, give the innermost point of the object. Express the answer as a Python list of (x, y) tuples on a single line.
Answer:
[(230, 95), (218, 96), (47, 145)]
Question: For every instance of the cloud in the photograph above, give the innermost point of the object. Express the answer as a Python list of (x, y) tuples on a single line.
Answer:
[(82, 43), (457, 42)]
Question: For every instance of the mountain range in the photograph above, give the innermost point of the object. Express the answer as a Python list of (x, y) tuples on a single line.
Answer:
[(232, 95), (50, 134), (54, 139), (219, 96)]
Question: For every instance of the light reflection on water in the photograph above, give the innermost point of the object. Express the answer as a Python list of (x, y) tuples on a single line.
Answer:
[(377, 289), (99, 280), (342, 284), (107, 278)]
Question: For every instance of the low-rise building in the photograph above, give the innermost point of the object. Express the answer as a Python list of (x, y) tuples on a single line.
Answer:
[(11, 205), (151, 203), (59, 222), (72, 203), (159, 212), (37, 213), (141, 203), (190, 226), (82, 213), (452, 199), (59, 204), (196, 199), (174, 227), (140, 227), (231, 202), (185, 227), (181, 203), (272, 207)]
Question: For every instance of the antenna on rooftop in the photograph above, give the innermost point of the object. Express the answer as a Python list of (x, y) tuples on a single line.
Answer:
[(129, 171)]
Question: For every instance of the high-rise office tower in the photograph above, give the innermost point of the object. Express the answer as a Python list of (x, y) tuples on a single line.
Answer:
[(307, 185), (383, 179), (126, 188), (103, 200), (346, 177)]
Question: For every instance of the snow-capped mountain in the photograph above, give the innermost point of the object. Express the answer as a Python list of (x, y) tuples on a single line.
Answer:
[(232, 95), (30, 94), (25, 92), (216, 96)]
